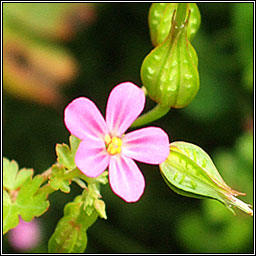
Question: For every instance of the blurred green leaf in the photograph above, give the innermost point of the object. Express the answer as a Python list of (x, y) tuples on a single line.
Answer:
[(242, 25), (220, 233), (190, 169), (54, 21), (248, 76), (214, 98), (242, 19), (22, 198), (12, 178), (10, 213), (244, 147), (70, 234), (29, 203)]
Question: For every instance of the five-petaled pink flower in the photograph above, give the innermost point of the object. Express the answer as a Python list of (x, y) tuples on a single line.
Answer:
[(104, 142)]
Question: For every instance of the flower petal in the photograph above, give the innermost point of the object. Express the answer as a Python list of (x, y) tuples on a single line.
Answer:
[(91, 157), (148, 145), (83, 119), (126, 179), (125, 103)]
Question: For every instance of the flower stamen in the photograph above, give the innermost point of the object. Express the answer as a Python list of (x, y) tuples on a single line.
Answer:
[(113, 145)]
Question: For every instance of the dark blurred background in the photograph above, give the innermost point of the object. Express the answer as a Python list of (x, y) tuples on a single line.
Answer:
[(53, 54)]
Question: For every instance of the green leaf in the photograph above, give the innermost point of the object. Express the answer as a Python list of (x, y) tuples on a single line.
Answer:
[(10, 213), (191, 172), (57, 179), (19, 195), (12, 178), (68, 237), (70, 234), (66, 154), (28, 202)]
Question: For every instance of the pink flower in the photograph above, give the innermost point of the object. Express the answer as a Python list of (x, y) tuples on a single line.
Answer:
[(25, 236), (104, 142)]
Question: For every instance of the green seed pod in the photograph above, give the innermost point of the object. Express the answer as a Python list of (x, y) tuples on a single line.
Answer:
[(160, 21), (189, 171), (169, 72)]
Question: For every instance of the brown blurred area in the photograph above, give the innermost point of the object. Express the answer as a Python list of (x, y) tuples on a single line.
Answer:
[(35, 63)]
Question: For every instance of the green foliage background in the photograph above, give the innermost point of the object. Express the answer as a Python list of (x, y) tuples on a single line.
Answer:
[(219, 120)]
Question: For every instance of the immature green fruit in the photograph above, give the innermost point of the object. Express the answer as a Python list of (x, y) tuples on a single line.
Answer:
[(160, 21), (189, 171), (169, 72)]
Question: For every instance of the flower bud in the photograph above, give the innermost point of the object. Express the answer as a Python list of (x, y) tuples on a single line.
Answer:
[(160, 21), (169, 72)]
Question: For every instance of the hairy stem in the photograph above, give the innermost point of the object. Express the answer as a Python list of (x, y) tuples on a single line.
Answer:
[(46, 189), (46, 174)]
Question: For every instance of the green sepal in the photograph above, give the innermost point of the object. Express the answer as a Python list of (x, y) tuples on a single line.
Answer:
[(160, 21), (70, 234), (169, 72), (191, 172), (100, 208), (92, 200), (66, 154), (101, 179)]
